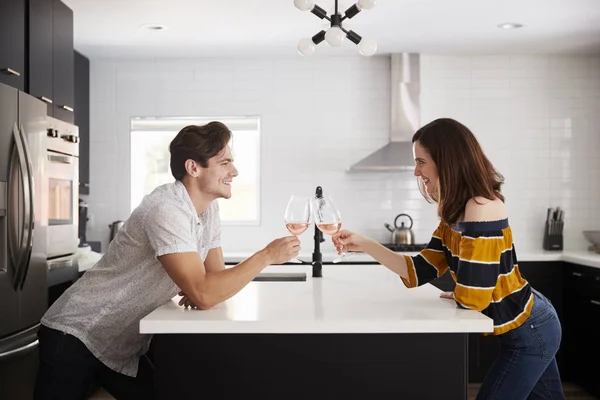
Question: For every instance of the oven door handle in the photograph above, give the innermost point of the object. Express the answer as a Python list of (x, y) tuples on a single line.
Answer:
[(30, 209), (60, 158), (62, 262)]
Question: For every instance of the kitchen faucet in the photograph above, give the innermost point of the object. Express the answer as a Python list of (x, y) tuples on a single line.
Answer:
[(317, 257)]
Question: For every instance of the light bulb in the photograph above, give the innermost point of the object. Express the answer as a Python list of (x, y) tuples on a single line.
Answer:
[(367, 47), (366, 4), (334, 36), (304, 5), (306, 47)]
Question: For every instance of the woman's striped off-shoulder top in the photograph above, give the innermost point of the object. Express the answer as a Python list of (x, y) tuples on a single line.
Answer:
[(482, 261)]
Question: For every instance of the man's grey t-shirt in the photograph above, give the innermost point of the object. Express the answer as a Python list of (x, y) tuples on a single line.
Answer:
[(104, 307)]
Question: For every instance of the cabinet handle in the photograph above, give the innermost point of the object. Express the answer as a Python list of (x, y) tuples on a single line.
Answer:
[(11, 71), (67, 108), (46, 99), (577, 274), (596, 302)]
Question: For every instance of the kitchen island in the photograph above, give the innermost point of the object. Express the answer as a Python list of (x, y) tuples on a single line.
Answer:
[(357, 332)]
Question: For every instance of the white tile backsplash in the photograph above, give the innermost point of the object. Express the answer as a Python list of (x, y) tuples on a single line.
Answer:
[(536, 116)]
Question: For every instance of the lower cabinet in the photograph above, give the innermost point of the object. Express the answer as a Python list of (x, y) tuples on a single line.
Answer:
[(546, 277), (574, 290), (582, 312)]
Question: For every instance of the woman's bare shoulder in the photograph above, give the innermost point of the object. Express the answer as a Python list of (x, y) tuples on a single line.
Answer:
[(482, 209)]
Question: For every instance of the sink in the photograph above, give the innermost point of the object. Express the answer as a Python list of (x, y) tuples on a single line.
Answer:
[(280, 277)]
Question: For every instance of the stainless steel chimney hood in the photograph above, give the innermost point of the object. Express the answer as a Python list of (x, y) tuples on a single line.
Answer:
[(397, 155)]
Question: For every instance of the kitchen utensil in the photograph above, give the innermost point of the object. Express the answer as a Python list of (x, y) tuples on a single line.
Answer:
[(594, 238), (402, 234), (553, 231)]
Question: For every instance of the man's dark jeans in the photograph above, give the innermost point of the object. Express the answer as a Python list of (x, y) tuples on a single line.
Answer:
[(69, 371)]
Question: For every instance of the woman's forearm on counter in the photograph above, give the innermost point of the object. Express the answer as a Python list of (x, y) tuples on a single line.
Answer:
[(393, 261)]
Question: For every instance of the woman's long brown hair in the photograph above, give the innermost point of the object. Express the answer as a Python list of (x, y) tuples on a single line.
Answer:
[(463, 169)]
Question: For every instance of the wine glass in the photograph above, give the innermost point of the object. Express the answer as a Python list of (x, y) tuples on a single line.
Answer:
[(297, 217), (328, 219)]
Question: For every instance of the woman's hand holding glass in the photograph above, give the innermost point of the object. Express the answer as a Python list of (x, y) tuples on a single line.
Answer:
[(346, 241), (329, 220)]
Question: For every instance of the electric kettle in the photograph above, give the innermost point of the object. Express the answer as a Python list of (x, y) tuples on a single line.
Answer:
[(402, 234)]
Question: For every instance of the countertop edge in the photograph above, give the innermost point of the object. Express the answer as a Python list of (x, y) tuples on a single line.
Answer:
[(582, 257), (242, 328)]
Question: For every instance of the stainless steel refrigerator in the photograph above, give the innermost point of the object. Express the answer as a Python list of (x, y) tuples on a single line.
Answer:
[(23, 242)]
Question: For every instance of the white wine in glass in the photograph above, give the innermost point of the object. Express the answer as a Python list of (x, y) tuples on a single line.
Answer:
[(297, 217), (328, 219)]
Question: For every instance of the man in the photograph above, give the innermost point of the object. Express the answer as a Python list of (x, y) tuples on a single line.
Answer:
[(170, 244)]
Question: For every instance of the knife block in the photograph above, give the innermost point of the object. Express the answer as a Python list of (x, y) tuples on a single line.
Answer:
[(554, 240)]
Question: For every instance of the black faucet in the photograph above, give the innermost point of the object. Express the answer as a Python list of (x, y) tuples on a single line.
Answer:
[(317, 257)]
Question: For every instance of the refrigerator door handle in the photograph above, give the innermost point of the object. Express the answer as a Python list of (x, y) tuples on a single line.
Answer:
[(14, 209), (17, 254), (30, 224), (21, 349)]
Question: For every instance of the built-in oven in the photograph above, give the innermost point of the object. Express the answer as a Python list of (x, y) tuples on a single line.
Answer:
[(61, 192)]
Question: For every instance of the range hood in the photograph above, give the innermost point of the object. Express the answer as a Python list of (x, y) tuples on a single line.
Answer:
[(397, 155)]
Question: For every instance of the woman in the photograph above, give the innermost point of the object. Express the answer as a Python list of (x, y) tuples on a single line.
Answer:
[(474, 240)]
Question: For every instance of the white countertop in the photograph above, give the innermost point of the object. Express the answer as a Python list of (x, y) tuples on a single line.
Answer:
[(87, 258), (347, 299), (582, 257), (586, 258)]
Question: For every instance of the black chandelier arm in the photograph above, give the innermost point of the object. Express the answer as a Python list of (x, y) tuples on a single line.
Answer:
[(319, 37), (351, 12), (319, 12), (344, 30), (353, 37)]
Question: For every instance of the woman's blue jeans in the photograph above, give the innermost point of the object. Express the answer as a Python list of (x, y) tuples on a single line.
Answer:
[(526, 366)]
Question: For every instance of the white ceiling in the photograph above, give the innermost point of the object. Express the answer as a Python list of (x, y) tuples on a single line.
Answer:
[(203, 28)]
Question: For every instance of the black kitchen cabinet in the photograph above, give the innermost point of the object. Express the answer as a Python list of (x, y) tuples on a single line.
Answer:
[(546, 277), (41, 51), (50, 57), (63, 63), (82, 119), (12, 43), (582, 311)]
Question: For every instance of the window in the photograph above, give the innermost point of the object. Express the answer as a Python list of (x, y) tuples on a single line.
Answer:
[(150, 158)]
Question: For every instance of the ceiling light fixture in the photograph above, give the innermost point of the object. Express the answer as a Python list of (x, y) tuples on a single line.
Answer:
[(153, 27), (510, 25), (336, 34)]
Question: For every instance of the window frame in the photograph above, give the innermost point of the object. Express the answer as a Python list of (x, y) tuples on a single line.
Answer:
[(229, 121)]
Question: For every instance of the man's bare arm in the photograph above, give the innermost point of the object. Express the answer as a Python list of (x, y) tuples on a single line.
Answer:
[(208, 289), (214, 260)]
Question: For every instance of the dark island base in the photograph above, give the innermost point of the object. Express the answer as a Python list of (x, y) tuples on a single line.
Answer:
[(311, 366)]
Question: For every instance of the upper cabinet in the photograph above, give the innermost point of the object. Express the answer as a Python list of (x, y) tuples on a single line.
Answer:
[(82, 118), (12, 43), (41, 52), (36, 52), (63, 63)]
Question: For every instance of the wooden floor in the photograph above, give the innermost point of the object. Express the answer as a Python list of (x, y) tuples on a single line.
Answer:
[(572, 392)]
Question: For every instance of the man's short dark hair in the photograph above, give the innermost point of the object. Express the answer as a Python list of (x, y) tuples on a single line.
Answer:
[(198, 143)]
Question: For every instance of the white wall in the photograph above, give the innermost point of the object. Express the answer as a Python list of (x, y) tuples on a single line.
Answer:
[(536, 116)]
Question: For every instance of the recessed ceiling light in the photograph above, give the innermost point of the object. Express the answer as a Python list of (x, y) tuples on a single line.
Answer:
[(154, 27), (510, 25)]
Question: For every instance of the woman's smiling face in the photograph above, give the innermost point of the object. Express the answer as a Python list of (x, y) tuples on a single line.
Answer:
[(425, 168)]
